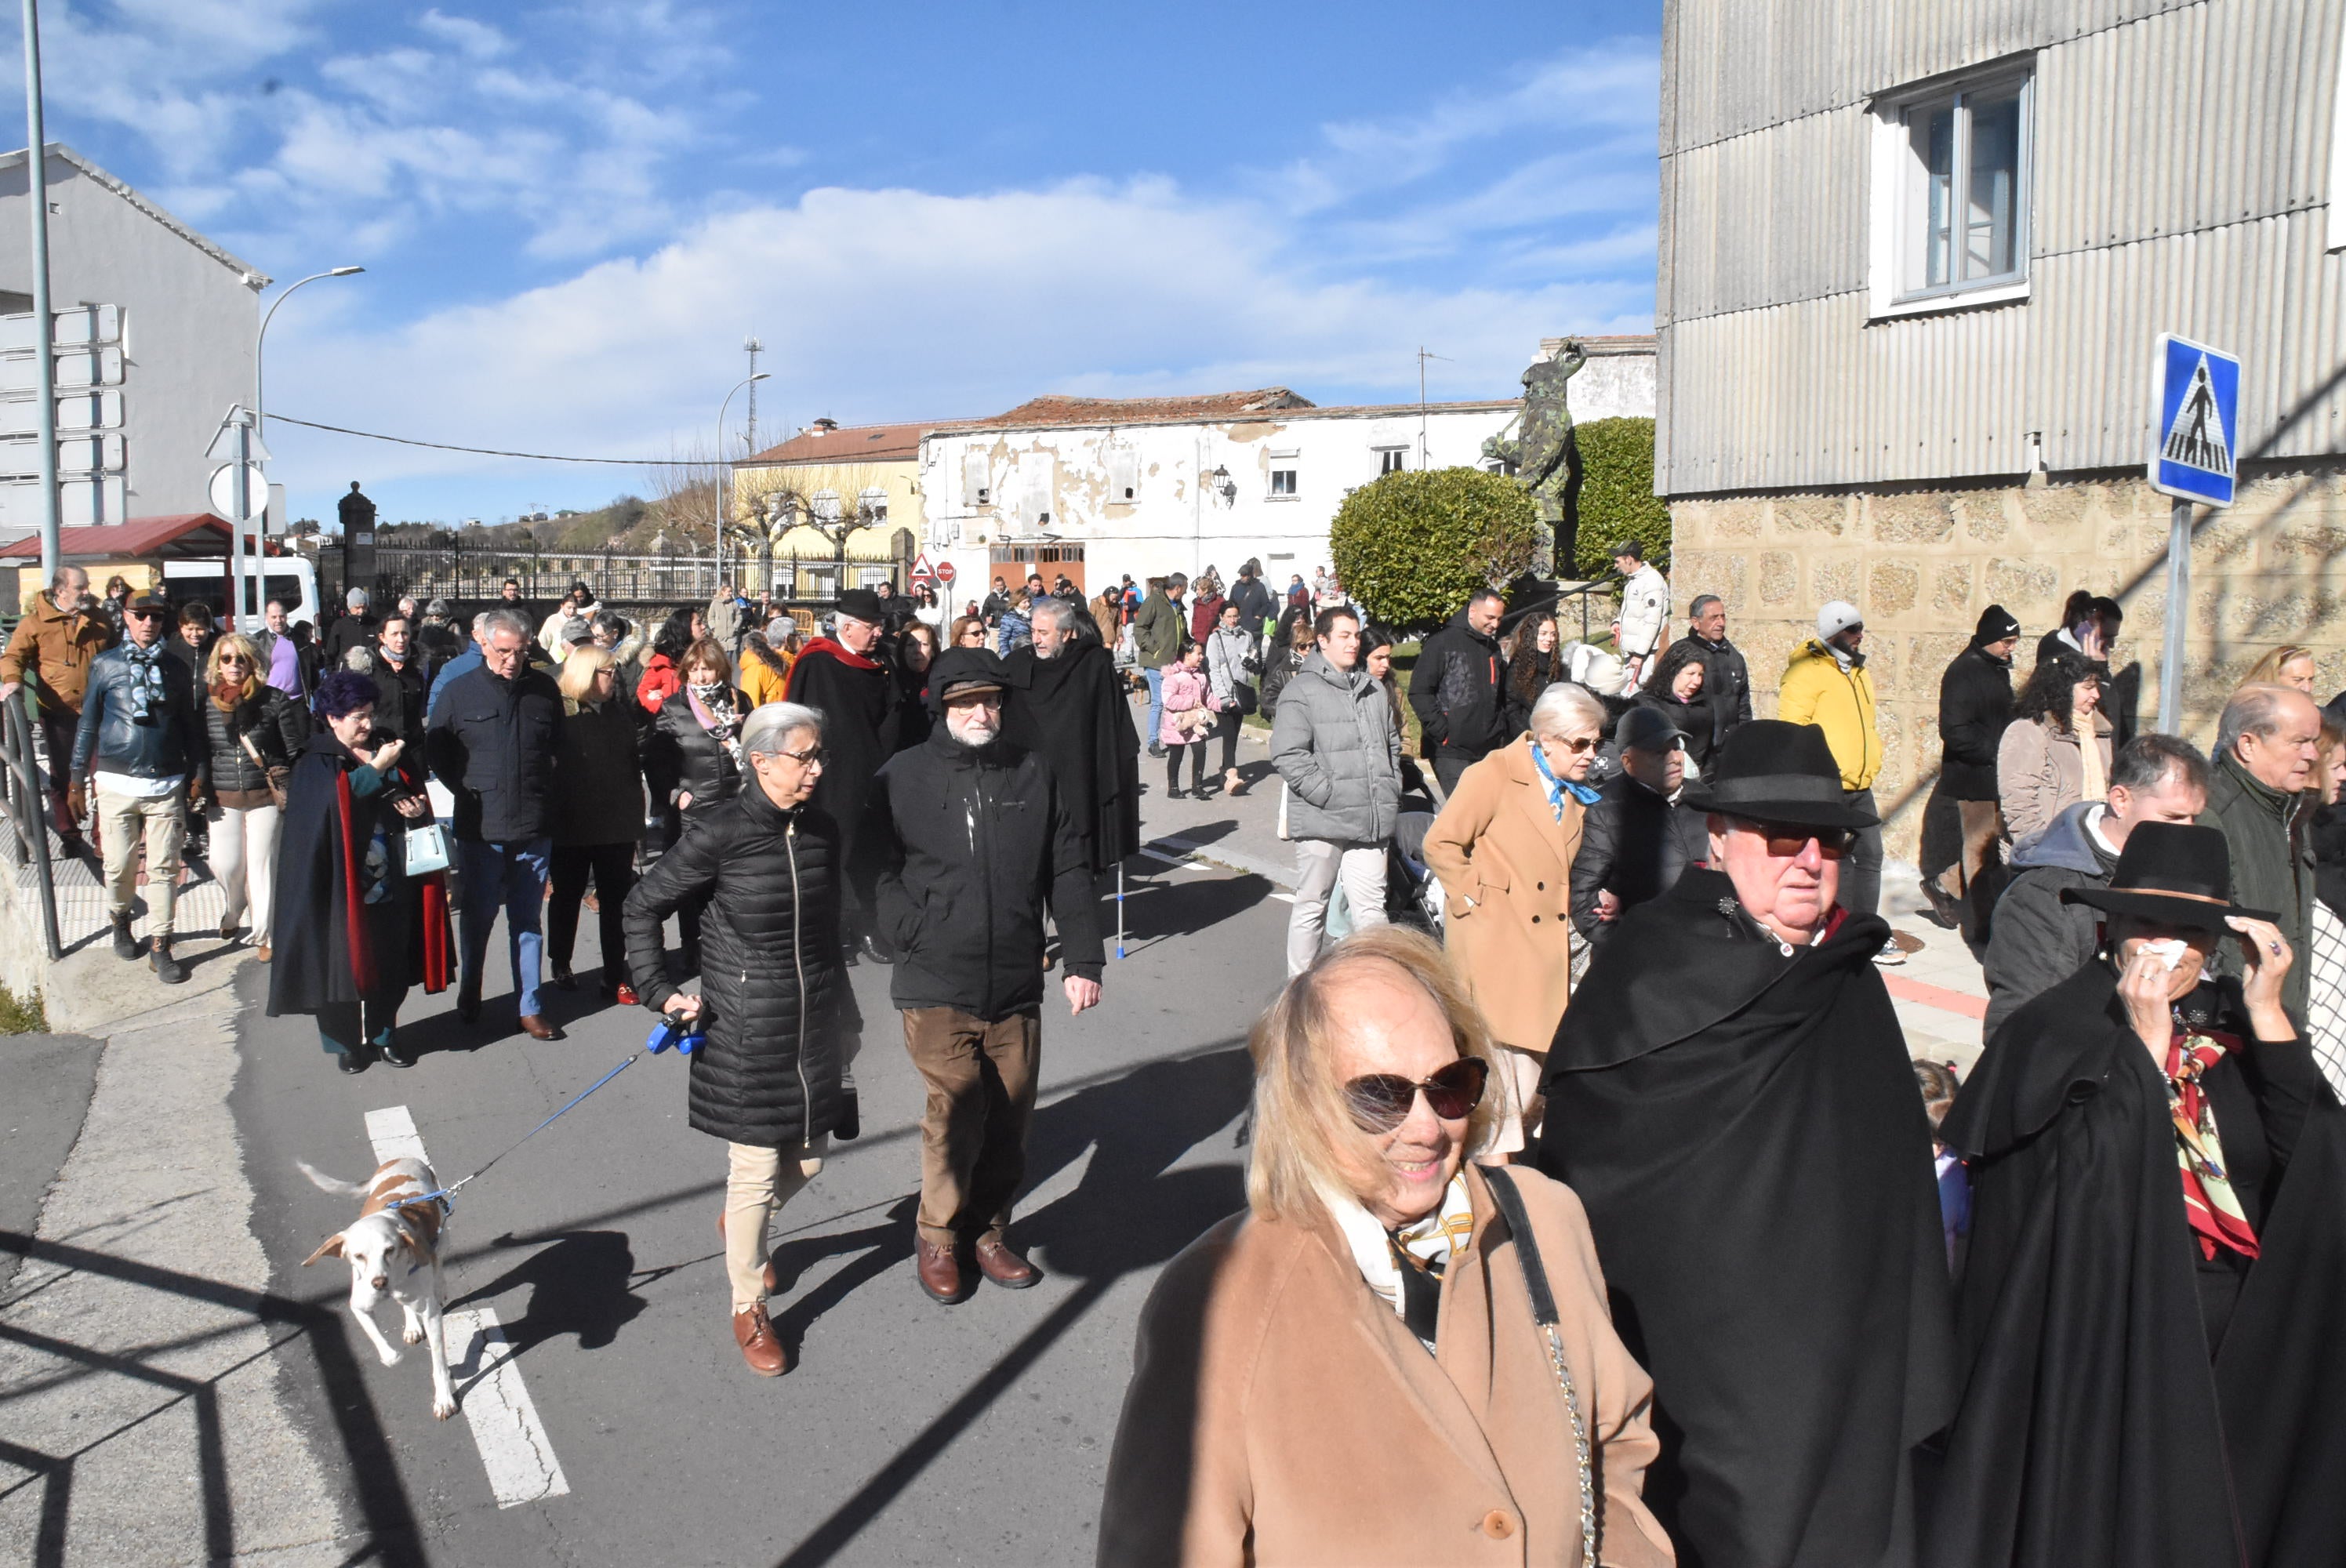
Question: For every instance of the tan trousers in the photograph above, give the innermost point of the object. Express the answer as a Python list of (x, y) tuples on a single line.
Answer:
[(1983, 825), (1515, 1086), (758, 1183), (162, 820), (981, 1079)]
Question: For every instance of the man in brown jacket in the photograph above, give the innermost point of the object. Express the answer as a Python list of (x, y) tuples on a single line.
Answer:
[(57, 639)]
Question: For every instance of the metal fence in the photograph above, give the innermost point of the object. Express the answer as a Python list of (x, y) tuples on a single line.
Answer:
[(471, 575)]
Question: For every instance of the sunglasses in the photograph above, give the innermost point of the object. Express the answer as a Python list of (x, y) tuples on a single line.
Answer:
[(1785, 840), (143, 615), (1382, 1101), (1577, 745)]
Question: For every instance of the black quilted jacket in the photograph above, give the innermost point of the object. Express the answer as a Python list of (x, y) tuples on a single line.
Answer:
[(773, 988)]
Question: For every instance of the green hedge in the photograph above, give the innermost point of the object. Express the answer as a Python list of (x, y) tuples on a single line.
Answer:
[(1617, 499), (1411, 546)]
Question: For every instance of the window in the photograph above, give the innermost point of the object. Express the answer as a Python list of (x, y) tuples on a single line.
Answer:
[(1952, 195), (824, 504), (872, 506), (1392, 459), (1283, 476)]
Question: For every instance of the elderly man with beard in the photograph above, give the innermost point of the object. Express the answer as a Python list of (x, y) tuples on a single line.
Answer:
[(844, 677), (1062, 704), (973, 841), (1729, 1095)]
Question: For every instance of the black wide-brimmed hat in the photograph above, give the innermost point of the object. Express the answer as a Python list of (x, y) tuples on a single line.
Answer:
[(864, 605), (2173, 873), (1772, 771)]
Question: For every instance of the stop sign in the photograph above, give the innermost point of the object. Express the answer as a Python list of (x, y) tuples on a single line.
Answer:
[(945, 573)]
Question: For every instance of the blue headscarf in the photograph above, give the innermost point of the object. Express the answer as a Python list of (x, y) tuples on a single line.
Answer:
[(1557, 787)]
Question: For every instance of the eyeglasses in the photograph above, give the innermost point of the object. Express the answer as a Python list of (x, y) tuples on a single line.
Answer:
[(811, 758), (1786, 840), (1382, 1101), (143, 615), (234, 658), (1576, 745)]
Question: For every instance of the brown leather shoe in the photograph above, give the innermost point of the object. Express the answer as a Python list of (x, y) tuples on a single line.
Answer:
[(534, 1025), (754, 1332), (768, 1277), (1003, 1267), (261, 952), (940, 1272)]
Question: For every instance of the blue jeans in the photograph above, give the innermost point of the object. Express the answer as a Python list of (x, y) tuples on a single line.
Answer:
[(1156, 706), (513, 875)]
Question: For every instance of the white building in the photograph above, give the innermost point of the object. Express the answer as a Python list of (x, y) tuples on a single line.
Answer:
[(1099, 488), (154, 343)]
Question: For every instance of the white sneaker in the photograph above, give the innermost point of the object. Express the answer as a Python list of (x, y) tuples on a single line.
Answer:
[(1892, 954)]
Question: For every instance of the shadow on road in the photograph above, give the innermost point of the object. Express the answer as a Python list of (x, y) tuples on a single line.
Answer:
[(1131, 1211), (1153, 910), (577, 1286)]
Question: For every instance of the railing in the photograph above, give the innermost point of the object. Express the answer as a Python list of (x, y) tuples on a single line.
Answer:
[(24, 804), (472, 575)]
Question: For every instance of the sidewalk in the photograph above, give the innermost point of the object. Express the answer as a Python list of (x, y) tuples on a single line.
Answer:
[(145, 1420)]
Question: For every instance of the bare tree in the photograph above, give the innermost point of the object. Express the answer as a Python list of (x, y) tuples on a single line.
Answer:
[(685, 495)]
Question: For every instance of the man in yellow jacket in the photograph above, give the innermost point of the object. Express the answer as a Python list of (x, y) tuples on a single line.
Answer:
[(1825, 684)]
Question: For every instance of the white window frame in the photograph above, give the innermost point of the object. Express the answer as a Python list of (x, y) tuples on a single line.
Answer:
[(1291, 464), (1891, 223), (1392, 459), (2335, 238)]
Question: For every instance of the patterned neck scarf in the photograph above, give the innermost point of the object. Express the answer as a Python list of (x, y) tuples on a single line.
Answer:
[(146, 668), (2209, 1202), (712, 704), (1557, 788), (1404, 1267)]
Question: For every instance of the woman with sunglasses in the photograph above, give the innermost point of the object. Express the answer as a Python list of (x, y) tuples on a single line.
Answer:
[(255, 733), (1731, 1098), (1354, 1370), (1502, 848)]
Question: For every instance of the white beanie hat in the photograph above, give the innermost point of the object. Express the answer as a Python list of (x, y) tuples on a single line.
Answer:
[(1836, 618)]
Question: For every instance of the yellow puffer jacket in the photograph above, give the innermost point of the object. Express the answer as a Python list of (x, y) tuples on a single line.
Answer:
[(1817, 690)]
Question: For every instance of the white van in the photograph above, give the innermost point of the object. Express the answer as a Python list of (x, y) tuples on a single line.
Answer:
[(292, 578)]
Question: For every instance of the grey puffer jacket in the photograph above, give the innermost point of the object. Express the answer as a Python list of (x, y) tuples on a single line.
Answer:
[(1334, 742), (2036, 940)]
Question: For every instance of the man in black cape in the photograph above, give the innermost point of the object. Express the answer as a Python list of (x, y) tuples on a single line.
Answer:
[(2149, 1321), (1065, 706), (845, 678), (1729, 1095)]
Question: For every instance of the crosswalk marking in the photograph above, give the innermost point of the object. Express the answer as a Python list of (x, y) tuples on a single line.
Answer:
[(495, 1401)]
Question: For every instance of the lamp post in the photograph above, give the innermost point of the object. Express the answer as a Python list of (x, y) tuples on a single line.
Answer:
[(725, 469), (260, 418)]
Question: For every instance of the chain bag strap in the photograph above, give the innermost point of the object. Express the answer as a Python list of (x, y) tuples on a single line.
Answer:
[(1519, 1226)]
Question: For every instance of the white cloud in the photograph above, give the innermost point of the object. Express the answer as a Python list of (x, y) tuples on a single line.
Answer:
[(890, 304), (477, 39)]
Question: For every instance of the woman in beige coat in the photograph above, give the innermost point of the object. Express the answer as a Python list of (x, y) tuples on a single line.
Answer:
[(2056, 750), (1351, 1374), (1502, 848)]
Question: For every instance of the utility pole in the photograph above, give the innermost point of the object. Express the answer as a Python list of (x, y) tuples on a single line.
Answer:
[(753, 347), (1424, 449), (44, 322)]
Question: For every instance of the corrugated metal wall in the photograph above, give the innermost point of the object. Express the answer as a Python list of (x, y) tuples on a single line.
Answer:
[(2181, 166)]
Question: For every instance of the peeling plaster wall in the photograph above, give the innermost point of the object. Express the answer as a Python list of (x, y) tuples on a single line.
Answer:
[(1923, 564), (1173, 526)]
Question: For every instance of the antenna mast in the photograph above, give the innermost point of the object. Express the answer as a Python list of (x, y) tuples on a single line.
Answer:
[(1424, 452), (753, 347)]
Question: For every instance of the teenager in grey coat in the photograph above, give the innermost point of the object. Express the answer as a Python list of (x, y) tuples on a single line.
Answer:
[(1334, 743)]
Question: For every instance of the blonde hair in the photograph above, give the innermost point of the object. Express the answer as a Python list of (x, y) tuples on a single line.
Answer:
[(239, 644), (709, 652), (576, 680), (1303, 1129), (2267, 670)]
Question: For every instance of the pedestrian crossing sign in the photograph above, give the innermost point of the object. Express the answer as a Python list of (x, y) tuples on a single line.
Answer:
[(2194, 445)]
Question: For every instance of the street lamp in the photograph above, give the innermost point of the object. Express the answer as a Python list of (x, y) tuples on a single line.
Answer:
[(236, 531), (725, 469)]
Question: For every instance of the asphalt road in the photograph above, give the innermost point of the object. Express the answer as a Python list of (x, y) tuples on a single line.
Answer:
[(909, 1432)]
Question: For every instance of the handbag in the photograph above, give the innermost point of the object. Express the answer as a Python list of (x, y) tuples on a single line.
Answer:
[(1510, 1202), (426, 850), (275, 777), (1243, 698)]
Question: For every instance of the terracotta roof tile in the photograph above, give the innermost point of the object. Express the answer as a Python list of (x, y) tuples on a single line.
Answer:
[(139, 536)]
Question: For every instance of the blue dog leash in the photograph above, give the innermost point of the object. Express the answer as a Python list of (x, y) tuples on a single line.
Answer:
[(665, 1034)]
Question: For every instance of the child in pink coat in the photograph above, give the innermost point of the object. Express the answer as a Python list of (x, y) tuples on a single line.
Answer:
[(1188, 721)]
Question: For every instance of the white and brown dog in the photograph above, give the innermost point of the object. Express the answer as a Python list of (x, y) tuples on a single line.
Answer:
[(388, 1246)]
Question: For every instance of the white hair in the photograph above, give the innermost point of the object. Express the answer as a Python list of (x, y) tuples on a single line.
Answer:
[(1055, 611), (493, 621), (767, 727), (1563, 702)]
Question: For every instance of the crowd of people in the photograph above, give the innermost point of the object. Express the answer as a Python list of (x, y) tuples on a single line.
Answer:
[(1602, 1217)]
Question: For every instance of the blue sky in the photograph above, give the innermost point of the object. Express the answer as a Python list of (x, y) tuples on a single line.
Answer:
[(571, 214)]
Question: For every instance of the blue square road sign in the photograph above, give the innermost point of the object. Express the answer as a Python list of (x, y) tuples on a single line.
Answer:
[(2194, 441)]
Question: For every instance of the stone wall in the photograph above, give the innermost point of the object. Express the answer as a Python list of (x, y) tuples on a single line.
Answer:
[(1923, 564)]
